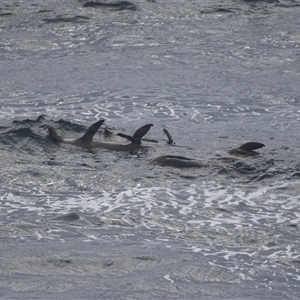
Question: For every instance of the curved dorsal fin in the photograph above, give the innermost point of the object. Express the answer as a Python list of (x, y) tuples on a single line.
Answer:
[(251, 146), (88, 136), (170, 139), (136, 138), (141, 132)]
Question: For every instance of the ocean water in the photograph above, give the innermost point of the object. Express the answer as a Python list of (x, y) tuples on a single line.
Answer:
[(95, 224)]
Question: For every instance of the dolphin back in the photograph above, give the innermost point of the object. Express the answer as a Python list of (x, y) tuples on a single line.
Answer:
[(251, 146), (178, 162)]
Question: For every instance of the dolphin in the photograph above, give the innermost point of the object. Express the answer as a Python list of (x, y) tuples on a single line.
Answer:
[(120, 5), (178, 162), (86, 141), (185, 162), (247, 149), (170, 139)]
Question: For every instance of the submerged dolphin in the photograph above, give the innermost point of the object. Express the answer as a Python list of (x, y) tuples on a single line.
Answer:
[(86, 141), (178, 162), (247, 149), (120, 5), (185, 162)]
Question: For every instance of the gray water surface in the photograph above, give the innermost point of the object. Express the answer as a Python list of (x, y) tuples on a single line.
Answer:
[(94, 224)]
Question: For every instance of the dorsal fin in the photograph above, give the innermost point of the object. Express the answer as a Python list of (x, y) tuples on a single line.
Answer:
[(128, 137), (170, 139), (88, 136), (136, 138), (251, 146), (141, 132)]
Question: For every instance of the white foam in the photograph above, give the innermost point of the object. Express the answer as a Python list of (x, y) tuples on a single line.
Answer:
[(168, 278), (11, 197)]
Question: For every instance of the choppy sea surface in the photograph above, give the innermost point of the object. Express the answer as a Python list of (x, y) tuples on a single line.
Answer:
[(94, 224)]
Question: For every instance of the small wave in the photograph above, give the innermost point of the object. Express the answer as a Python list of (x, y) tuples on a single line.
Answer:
[(6, 14), (19, 132), (62, 19), (261, 1), (36, 130)]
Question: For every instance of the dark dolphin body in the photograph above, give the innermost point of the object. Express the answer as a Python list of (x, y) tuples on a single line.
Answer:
[(120, 5), (86, 141), (185, 162), (247, 149), (178, 162)]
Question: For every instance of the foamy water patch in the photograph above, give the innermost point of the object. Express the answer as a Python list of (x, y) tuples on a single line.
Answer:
[(206, 203), (229, 222)]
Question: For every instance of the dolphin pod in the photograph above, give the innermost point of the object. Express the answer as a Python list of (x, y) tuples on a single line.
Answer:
[(86, 141), (177, 161)]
